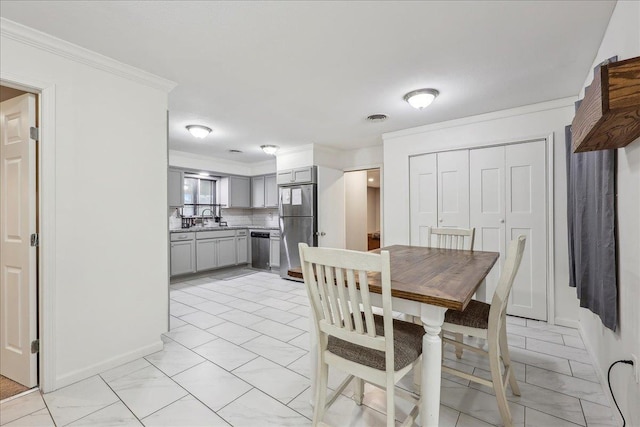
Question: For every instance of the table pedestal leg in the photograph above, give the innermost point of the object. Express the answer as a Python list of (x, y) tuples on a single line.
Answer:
[(432, 319)]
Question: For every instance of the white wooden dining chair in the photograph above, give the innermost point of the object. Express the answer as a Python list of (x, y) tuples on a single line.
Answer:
[(377, 349), (451, 238), (488, 321)]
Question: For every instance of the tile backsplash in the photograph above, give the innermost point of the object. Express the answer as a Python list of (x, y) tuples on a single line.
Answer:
[(262, 217)]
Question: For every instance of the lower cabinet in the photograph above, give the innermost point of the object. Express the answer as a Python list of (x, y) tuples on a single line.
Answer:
[(242, 249), (274, 252), (207, 254), (183, 257), (226, 251)]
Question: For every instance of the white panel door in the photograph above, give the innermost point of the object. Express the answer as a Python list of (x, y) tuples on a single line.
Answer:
[(487, 208), (331, 211), (453, 189), (525, 167), (423, 197), (18, 298)]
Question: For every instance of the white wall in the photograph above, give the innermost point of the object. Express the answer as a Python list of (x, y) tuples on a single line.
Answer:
[(356, 208), (519, 124), (622, 38), (109, 274), (181, 159)]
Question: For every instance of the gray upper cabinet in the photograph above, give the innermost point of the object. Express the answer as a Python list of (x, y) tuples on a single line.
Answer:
[(235, 191), (264, 192), (257, 192), (304, 175), (270, 191), (175, 184)]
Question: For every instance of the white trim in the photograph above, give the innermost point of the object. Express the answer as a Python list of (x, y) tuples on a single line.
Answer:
[(297, 149), (201, 157), (47, 225), (567, 323), (602, 377), (496, 115), (366, 167), (29, 36), (551, 267), (81, 374)]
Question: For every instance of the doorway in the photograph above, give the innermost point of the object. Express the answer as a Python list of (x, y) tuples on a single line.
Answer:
[(362, 209), (19, 344)]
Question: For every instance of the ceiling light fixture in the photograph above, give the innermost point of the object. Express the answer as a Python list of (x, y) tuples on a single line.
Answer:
[(270, 149), (371, 179), (421, 98), (199, 131)]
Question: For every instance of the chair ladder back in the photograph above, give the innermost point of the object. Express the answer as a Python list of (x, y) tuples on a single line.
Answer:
[(366, 304), (451, 238), (343, 301), (505, 283)]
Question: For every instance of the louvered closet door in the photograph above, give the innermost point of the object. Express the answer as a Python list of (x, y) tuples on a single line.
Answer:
[(453, 189), (423, 197), (487, 185), (525, 166)]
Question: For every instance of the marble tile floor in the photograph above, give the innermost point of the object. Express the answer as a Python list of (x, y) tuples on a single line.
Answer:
[(238, 354)]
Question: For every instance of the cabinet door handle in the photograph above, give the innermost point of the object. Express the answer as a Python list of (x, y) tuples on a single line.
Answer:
[(441, 220), (502, 221)]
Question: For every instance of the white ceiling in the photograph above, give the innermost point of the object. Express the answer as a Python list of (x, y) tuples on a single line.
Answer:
[(293, 73)]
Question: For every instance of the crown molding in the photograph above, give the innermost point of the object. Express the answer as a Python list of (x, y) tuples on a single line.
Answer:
[(495, 115), (48, 43)]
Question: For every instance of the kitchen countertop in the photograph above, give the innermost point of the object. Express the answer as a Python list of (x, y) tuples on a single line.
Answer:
[(230, 227)]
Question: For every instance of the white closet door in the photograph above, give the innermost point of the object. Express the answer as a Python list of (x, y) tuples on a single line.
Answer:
[(423, 196), (487, 208), (453, 189), (526, 214)]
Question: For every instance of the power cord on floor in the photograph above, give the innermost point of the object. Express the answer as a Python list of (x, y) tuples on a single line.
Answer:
[(628, 362)]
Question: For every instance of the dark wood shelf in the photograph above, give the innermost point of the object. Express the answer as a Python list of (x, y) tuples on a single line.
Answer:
[(609, 115)]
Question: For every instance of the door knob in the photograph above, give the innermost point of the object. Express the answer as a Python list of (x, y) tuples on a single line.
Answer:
[(502, 221), (441, 220), (320, 233)]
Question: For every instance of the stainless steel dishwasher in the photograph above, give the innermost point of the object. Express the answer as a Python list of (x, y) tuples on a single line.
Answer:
[(260, 249)]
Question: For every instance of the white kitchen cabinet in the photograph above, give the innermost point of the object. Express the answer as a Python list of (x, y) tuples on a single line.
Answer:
[(297, 176), (264, 192), (206, 254), (274, 252), (235, 191), (242, 247), (270, 191), (226, 251), (175, 187), (257, 192), (183, 253)]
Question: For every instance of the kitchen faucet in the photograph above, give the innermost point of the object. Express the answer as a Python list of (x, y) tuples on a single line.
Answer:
[(203, 211)]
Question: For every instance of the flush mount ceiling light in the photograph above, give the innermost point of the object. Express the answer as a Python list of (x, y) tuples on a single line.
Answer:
[(270, 149), (199, 131), (421, 98)]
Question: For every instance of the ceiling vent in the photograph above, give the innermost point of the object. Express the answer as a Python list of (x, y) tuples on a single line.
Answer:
[(235, 151), (377, 118)]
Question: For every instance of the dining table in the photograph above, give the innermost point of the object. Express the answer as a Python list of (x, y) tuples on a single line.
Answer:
[(425, 283)]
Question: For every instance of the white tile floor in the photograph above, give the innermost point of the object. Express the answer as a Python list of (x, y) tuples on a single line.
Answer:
[(237, 354)]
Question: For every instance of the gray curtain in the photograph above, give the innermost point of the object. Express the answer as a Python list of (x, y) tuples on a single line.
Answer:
[(591, 216)]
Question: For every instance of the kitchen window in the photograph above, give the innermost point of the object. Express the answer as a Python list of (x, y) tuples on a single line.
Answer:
[(199, 195)]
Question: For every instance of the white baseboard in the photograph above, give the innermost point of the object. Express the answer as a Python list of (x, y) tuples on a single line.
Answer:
[(602, 376), (81, 374), (567, 323)]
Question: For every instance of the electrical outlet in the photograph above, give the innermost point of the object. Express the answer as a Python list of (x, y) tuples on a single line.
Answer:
[(636, 368)]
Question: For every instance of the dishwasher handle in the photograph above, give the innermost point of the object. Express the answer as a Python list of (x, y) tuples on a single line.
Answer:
[(260, 234)]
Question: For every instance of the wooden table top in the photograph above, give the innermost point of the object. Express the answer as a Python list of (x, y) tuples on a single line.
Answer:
[(442, 277)]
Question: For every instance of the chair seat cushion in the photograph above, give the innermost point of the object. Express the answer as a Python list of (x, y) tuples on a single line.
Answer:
[(407, 345), (476, 315)]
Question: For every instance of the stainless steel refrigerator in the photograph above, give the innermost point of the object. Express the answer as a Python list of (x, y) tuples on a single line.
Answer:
[(298, 222)]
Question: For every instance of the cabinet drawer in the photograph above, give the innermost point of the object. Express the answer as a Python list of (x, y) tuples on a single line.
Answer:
[(215, 234), (175, 237), (241, 232)]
